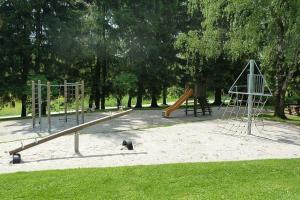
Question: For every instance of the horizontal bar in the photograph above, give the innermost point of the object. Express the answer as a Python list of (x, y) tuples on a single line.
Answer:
[(256, 94), (68, 85)]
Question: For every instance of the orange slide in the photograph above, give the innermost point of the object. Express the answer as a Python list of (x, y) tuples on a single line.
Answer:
[(187, 93)]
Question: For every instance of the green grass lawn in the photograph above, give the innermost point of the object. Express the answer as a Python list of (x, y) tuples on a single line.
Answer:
[(265, 179), (57, 106), (11, 111), (291, 119)]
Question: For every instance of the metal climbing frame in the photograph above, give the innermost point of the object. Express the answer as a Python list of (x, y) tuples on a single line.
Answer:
[(248, 96), (73, 92)]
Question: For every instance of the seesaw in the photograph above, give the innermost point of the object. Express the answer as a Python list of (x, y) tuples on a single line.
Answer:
[(75, 130)]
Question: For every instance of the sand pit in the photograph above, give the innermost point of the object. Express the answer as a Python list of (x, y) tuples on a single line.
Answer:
[(156, 140)]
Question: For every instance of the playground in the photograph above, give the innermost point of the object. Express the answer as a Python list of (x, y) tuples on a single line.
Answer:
[(180, 133), (156, 140), (150, 99)]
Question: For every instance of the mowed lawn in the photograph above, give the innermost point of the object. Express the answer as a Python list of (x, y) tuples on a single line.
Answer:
[(265, 179)]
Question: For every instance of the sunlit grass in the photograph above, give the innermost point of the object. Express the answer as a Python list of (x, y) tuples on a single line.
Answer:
[(264, 179), (57, 105), (10, 110), (292, 119)]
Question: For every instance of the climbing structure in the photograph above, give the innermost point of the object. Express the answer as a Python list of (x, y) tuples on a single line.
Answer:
[(68, 96), (248, 96)]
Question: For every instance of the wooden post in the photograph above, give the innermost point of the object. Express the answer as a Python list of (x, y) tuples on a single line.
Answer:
[(33, 103), (40, 103), (82, 102), (66, 100), (49, 106)]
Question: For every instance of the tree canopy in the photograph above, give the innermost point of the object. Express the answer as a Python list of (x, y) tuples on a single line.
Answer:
[(142, 48)]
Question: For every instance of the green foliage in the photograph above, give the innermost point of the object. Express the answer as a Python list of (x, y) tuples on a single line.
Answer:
[(261, 30), (162, 43), (175, 91), (123, 84), (31, 38)]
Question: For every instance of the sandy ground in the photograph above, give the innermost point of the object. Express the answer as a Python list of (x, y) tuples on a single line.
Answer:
[(156, 140)]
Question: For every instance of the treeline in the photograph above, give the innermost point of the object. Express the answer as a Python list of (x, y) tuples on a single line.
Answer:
[(140, 48)]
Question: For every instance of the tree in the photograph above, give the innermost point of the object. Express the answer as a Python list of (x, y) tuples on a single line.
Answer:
[(262, 30), (122, 85), (101, 43), (267, 30), (16, 47), (148, 30), (212, 32), (32, 34)]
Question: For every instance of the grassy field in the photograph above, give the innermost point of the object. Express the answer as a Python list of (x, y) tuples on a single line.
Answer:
[(265, 179), (291, 119), (11, 111), (110, 102)]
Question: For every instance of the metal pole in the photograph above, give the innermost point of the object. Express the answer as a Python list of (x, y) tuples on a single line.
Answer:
[(82, 102), (76, 142), (77, 102), (76, 136), (49, 106), (40, 103), (33, 103), (263, 85), (195, 99), (250, 95), (65, 100)]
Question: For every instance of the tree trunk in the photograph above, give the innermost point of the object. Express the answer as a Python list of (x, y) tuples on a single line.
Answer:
[(119, 102), (38, 36), (96, 84), (97, 100), (129, 101), (280, 91), (279, 105), (218, 96), (281, 71), (105, 59), (104, 87), (24, 74), (23, 101), (139, 101), (139, 98), (153, 101), (91, 101), (165, 95)]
